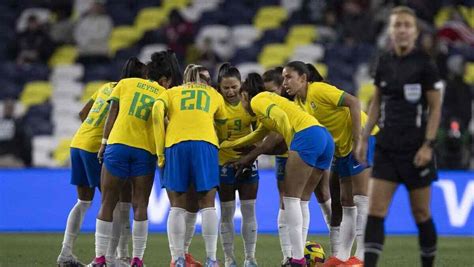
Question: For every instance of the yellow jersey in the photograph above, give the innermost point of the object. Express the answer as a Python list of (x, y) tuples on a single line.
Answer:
[(274, 113), (323, 101), (193, 111), (89, 135), (133, 126), (239, 124)]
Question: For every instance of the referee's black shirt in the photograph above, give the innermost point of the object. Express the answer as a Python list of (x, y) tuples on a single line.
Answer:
[(403, 82)]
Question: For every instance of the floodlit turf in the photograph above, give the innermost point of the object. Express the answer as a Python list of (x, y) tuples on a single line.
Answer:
[(42, 250)]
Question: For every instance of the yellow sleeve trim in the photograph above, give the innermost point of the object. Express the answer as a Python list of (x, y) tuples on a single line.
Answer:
[(341, 99)]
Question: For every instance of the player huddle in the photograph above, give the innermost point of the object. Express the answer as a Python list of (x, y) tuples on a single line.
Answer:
[(206, 140)]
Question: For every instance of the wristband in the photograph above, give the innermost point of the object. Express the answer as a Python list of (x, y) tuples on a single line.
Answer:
[(104, 141), (430, 142)]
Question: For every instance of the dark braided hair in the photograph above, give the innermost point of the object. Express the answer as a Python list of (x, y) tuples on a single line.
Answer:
[(133, 68), (165, 64), (253, 85)]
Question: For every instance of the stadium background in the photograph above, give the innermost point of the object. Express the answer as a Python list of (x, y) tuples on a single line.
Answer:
[(56, 53)]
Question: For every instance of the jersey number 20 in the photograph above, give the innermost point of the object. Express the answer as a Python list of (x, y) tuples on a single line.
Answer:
[(194, 100)]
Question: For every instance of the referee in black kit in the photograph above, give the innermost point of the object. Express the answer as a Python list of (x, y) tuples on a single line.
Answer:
[(407, 107)]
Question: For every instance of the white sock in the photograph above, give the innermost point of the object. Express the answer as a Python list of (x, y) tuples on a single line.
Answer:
[(306, 217), (347, 233), (284, 235), (326, 209), (249, 227), (139, 238), (294, 220), (114, 239), (103, 232), (73, 225), (227, 228), (124, 229), (362, 204), (190, 219), (334, 239), (210, 231), (176, 231)]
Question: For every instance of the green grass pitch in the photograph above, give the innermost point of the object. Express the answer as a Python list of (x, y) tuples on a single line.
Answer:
[(24, 250)]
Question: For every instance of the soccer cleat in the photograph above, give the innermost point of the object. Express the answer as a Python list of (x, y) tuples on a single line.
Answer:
[(354, 262), (69, 261), (180, 262), (334, 262), (298, 263), (211, 263), (250, 263), (136, 262), (98, 262), (286, 262), (191, 262), (230, 262)]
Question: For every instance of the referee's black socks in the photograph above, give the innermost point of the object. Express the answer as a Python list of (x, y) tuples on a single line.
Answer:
[(374, 238), (427, 239)]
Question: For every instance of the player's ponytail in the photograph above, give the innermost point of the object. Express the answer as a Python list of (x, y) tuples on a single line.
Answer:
[(226, 71), (314, 75), (192, 73), (133, 68), (164, 64), (273, 75), (301, 68), (253, 84)]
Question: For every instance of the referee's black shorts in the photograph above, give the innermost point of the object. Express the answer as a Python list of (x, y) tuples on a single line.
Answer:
[(398, 167)]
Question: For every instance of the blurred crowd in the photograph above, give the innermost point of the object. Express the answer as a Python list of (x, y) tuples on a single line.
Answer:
[(352, 32)]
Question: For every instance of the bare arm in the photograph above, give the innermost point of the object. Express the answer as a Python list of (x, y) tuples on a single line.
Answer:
[(373, 117), (109, 124), (425, 153), (111, 117), (373, 114), (433, 98), (85, 110), (354, 106)]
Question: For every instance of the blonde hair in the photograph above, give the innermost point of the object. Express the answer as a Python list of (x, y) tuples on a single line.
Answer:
[(192, 73), (405, 10)]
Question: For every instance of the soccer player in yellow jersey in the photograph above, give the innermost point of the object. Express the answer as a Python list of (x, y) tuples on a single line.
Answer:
[(310, 146), (128, 151), (192, 206), (188, 150), (273, 82), (340, 113), (85, 167), (239, 124)]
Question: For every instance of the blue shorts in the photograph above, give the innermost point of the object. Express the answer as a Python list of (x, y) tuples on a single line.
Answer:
[(191, 163), (315, 146), (348, 166), (85, 168), (280, 163), (227, 175), (125, 161)]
